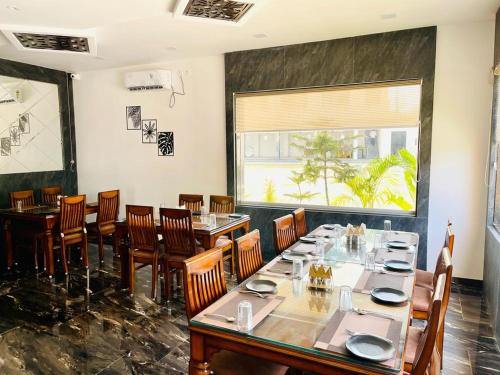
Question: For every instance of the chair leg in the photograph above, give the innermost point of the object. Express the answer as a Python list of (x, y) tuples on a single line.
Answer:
[(168, 281), (63, 256), (131, 274), (154, 275), (101, 247)]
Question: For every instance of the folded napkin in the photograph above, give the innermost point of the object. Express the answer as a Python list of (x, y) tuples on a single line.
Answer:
[(334, 336)]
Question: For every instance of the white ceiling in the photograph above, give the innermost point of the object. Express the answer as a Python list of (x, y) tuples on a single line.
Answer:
[(131, 32)]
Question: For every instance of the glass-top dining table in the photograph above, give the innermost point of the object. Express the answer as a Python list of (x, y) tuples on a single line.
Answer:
[(303, 327)]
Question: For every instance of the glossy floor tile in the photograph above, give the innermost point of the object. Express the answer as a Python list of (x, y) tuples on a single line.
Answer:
[(59, 328)]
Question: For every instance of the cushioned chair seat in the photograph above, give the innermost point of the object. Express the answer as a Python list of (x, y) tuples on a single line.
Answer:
[(414, 335), (422, 298), (229, 363), (223, 243), (425, 279)]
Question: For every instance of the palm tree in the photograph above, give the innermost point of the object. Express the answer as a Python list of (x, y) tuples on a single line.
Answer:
[(298, 179)]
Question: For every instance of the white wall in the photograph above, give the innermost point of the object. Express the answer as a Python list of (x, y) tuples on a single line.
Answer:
[(110, 156), (460, 141)]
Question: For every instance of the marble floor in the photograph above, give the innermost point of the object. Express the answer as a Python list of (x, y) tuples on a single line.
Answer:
[(57, 328)]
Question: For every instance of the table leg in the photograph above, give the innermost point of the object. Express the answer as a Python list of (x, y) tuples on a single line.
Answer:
[(124, 266), (7, 233), (208, 241), (49, 252), (198, 364), (246, 227)]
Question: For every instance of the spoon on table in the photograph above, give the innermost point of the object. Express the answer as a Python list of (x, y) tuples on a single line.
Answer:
[(374, 313), (229, 319), (252, 292)]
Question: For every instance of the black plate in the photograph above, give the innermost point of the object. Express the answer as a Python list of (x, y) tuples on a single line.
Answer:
[(261, 286), (371, 347), (389, 295), (236, 216), (398, 265), (398, 245)]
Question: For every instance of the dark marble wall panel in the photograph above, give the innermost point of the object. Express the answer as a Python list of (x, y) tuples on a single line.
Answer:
[(400, 55), (66, 178)]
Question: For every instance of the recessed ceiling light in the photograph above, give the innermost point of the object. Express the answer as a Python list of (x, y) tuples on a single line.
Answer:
[(388, 16), (260, 36), (12, 7)]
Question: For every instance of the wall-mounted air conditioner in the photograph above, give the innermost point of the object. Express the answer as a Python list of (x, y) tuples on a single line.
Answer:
[(148, 80), (10, 96)]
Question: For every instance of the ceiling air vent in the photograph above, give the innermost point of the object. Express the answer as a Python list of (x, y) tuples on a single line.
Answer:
[(220, 11), (53, 40)]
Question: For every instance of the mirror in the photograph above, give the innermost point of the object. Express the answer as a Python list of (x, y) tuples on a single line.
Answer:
[(30, 126)]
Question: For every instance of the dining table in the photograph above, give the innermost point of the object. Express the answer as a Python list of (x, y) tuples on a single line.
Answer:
[(41, 219), (205, 232), (302, 326)]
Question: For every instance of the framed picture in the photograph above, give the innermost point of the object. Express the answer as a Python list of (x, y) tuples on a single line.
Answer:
[(133, 114), (149, 131), (5, 146), (166, 143), (15, 136), (24, 123)]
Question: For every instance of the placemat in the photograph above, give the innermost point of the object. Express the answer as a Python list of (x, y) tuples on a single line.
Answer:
[(228, 306), (303, 248), (383, 254), (334, 335), (369, 280)]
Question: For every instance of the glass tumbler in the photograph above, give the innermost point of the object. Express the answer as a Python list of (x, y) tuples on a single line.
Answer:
[(245, 316), (377, 241), (213, 220), (387, 225), (345, 298), (19, 206), (297, 268), (320, 248), (370, 261)]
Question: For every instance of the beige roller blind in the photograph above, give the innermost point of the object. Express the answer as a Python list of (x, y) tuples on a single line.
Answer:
[(387, 105)]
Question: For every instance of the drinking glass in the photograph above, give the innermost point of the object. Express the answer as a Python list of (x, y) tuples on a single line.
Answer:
[(245, 316), (19, 206), (370, 261), (320, 248), (377, 241), (204, 210), (387, 225), (163, 205), (345, 298), (213, 220), (297, 268)]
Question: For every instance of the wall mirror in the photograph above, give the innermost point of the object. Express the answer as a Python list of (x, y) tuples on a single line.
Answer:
[(30, 126)]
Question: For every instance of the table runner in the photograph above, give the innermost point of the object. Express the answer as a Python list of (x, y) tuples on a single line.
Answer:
[(334, 336), (228, 306), (369, 280)]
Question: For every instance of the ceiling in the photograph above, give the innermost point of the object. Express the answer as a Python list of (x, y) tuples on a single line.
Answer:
[(130, 32)]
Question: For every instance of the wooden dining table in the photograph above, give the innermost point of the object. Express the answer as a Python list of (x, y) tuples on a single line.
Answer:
[(292, 330), (36, 219), (205, 233)]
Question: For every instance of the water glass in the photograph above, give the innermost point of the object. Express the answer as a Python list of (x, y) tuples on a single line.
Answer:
[(370, 261), (59, 200), (320, 248), (297, 269), (19, 206), (163, 205), (204, 210), (213, 220), (345, 298), (245, 316), (377, 241), (387, 225)]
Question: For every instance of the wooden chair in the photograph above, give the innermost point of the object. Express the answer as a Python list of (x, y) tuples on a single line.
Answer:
[(204, 284), (223, 204), (179, 241), (449, 238), (49, 195), (26, 197), (143, 244), (422, 297), (108, 203), (421, 352), (299, 221), (249, 255), (192, 202), (72, 228), (284, 233)]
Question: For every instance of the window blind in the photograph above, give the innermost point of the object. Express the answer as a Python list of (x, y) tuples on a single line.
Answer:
[(361, 106)]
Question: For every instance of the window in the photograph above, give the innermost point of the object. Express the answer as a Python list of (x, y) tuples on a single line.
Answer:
[(352, 146)]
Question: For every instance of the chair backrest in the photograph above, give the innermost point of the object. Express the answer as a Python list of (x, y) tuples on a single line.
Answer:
[(449, 238), (49, 194), (72, 214), (448, 273), (25, 196), (177, 231), (191, 201), (443, 265), (299, 220), (284, 233), (248, 254), (223, 204), (141, 228), (109, 205), (427, 343), (204, 281)]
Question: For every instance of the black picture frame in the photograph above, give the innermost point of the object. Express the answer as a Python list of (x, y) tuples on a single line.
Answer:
[(15, 136), (149, 131), (133, 117), (5, 146), (165, 143), (24, 123)]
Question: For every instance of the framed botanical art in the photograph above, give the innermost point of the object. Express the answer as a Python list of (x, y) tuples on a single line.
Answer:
[(166, 143), (149, 131), (133, 114)]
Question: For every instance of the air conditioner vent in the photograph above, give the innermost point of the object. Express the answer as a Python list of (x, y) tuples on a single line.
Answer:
[(53, 42), (227, 11)]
